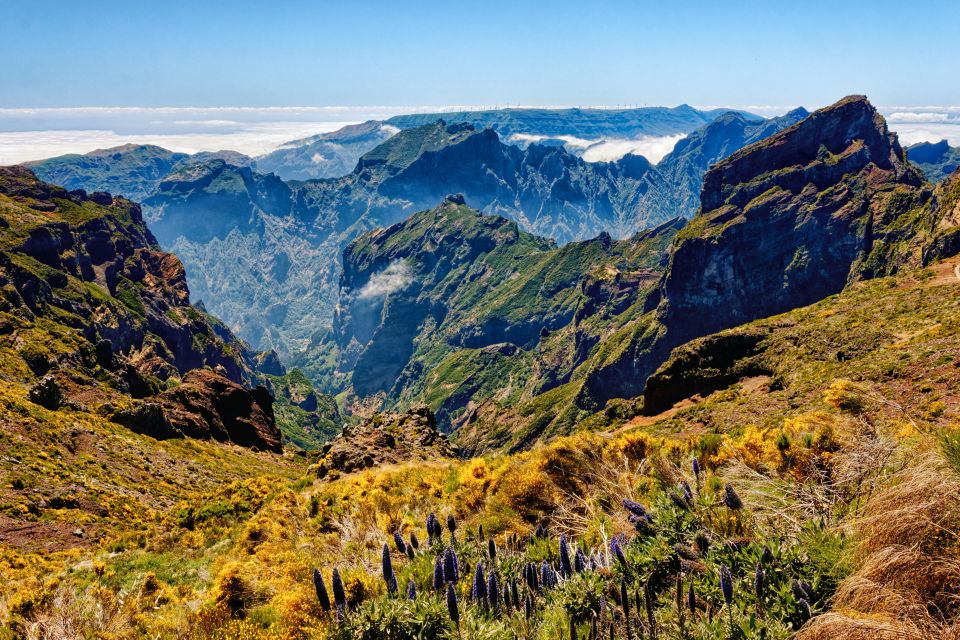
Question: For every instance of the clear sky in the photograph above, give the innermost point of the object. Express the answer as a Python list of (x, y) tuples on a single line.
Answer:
[(572, 52)]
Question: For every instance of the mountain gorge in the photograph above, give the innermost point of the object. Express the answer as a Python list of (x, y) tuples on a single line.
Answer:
[(277, 288), (452, 307)]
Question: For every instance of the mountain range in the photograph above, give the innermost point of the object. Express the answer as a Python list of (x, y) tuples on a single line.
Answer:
[(334, 154), (263, 254), (485, 323)]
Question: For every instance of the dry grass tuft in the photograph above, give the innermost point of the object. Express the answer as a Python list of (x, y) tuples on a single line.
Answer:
[(831, 626), (908, 583), (94, 613), (921, 509)]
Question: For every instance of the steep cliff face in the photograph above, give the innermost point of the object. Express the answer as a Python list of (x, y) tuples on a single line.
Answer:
[(207, 201), (90, 302), (792, 220), (684, 167), (783, 223)]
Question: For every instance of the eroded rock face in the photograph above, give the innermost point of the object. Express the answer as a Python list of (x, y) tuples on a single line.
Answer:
[(88, 300), (209, 406), (389, 438), (791, 220)]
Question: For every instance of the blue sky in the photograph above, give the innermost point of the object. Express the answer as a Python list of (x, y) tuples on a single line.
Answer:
[(243, 53)]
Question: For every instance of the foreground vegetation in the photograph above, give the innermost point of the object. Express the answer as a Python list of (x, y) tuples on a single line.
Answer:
[(832, 473)]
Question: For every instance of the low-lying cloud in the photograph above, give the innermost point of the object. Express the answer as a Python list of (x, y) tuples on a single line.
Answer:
[(653, 148), (398, 275)]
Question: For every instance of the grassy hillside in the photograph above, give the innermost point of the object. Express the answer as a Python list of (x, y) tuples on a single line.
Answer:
[(836, 432)]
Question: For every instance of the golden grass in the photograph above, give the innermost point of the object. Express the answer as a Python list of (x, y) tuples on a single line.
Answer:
[(908, 581)]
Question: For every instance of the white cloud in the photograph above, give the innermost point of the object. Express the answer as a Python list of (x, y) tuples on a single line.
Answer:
[(653, 148), (918, 116), (317, 158), (253, 140), (208, 123), (398, 275), (928, 133)]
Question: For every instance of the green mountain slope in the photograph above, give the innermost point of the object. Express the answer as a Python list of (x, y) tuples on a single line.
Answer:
[(452, 307), (937, 160)]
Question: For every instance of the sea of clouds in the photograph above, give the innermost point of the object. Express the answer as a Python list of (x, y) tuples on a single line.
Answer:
[(33, 134)]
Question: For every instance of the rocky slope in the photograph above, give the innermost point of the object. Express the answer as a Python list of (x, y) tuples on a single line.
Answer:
[(937, 160), (95, 309), (385, 439)]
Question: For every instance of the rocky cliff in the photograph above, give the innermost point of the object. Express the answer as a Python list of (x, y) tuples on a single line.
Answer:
[(93, 307), (783, 223), (384, 439)]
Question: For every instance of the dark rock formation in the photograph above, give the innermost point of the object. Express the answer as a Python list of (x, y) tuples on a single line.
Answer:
[(703, 366), (46, 393), (387, 438), (207, 405), (783, 223)]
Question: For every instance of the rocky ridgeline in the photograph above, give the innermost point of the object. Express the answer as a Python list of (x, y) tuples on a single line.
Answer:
[(386, 438), (783, 223), (94, 308)]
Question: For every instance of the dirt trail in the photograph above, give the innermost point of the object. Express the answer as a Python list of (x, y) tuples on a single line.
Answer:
[(44, 536), (946, 272)]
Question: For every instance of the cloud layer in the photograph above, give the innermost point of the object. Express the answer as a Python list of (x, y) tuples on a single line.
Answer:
[(653, 148), (33, 134)]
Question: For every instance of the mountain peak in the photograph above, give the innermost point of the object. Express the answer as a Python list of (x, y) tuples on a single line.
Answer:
[(849, 134)]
